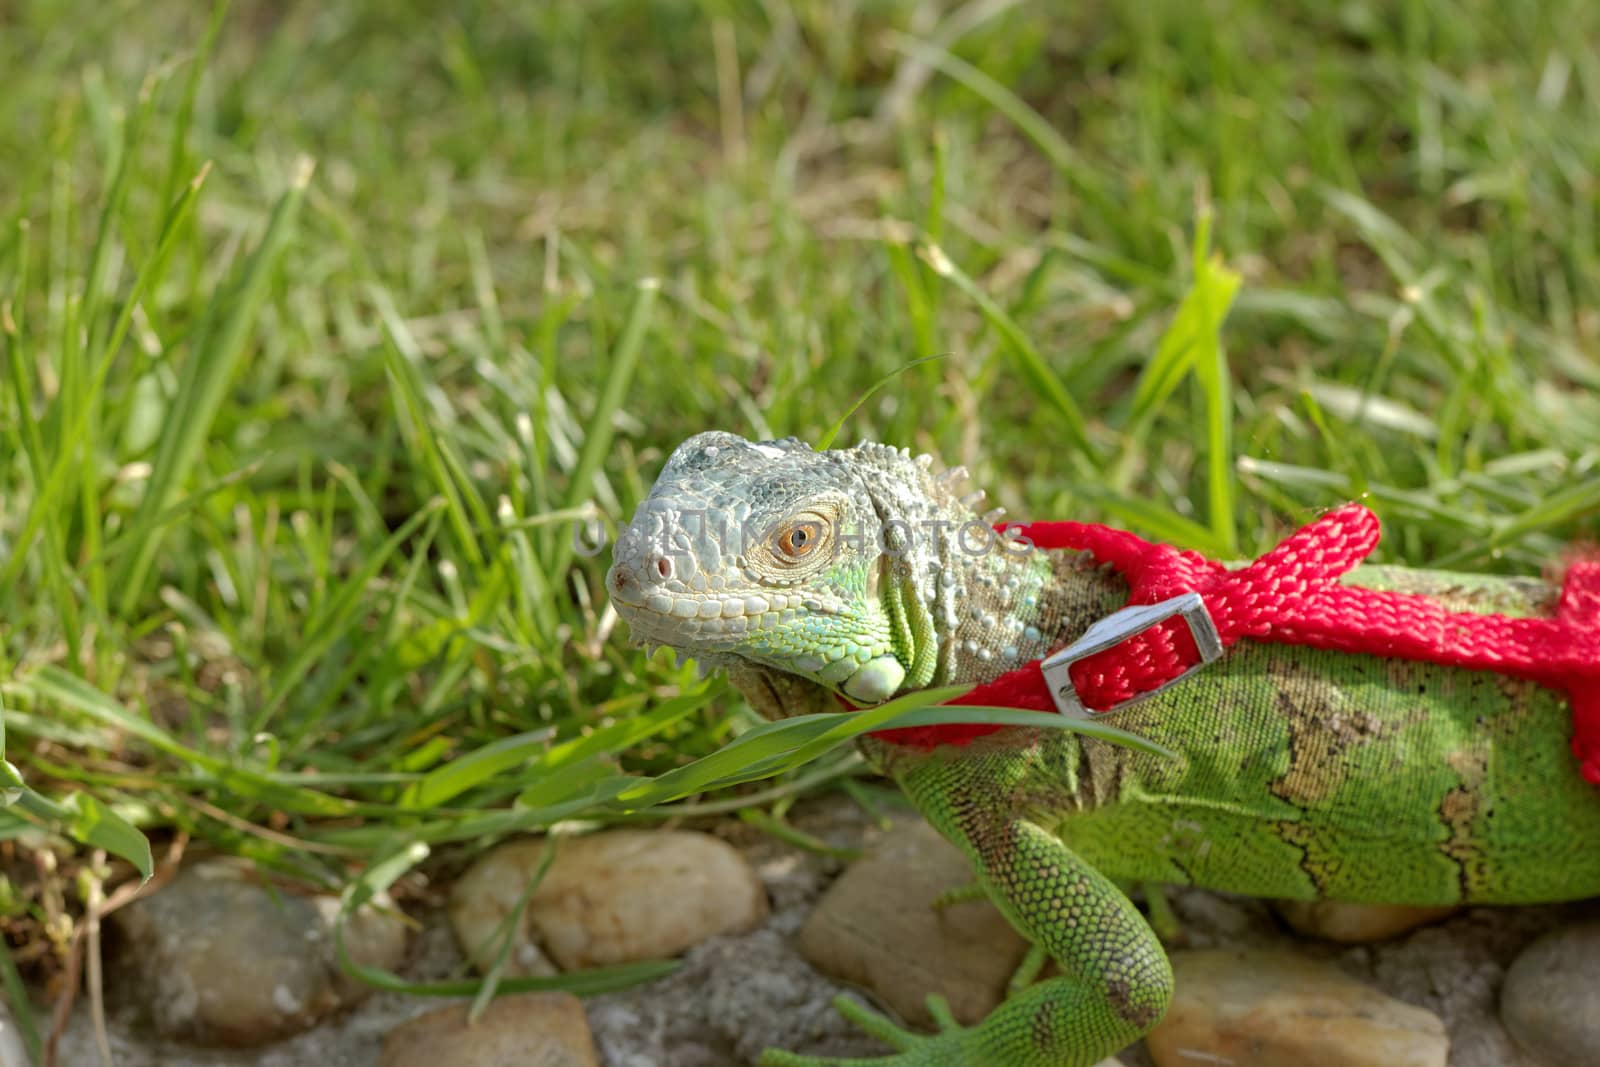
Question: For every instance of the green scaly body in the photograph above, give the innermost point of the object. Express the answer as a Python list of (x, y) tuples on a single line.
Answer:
[(1300, 774)]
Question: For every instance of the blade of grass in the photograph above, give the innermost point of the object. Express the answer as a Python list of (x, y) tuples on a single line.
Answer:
[(509, 927), (17, 999), (1030, 122), (913, 281), (1027, 358), (1215, 286), (97, 284), (337, 616), (51, 683), (774, 747), (183, 116), (597, 438), (464, 508), (460, 775), (828, 438), (56, 566), (206, 374), (20, 1004), (1157, 521), (82, 818), (44, 501)]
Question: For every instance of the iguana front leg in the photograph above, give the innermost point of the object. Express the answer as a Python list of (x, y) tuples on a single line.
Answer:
[(1115, 980)]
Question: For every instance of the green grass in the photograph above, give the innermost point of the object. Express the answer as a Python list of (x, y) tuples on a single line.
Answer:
[(291, 458)]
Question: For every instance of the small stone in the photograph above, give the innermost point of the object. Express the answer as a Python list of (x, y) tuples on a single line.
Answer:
[(1354, 924), (217, 958), (1551, 999), (1271, 1009), (526, 1029), (614, 897), (876, 927)]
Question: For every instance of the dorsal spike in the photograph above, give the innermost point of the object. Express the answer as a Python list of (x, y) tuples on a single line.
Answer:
[(994, 515), (974, 498), (952, 475), (925, 461), (877, 448)]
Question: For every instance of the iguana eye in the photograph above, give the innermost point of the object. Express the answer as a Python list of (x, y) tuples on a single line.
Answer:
[(799, 539), (799, 543), (796, 541)]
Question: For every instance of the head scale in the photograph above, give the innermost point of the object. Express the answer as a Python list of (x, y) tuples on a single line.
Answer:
[(820, 564)]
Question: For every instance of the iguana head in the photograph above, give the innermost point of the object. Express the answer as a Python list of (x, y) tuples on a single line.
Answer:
[(824, 564)]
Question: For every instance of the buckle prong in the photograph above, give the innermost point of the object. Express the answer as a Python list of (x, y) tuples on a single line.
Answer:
[(1117, 628)]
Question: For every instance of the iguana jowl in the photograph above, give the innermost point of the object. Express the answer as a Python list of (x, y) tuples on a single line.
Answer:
[(1300, 774)]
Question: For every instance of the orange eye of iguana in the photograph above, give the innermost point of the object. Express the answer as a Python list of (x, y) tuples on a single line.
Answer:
[(797, 541)]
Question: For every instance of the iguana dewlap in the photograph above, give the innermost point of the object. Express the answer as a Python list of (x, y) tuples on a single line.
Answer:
[(1300, 774)]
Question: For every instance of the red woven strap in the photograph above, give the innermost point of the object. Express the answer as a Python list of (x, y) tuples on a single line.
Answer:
[(1292, 596)]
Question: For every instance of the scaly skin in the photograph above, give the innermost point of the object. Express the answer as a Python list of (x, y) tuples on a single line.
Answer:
[(1300, 774)]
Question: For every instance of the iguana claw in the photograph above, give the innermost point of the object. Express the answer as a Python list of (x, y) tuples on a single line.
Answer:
[(961, 894), (941, 1049)]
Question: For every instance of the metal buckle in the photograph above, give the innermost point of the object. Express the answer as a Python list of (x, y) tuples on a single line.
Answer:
[(1117, 628)]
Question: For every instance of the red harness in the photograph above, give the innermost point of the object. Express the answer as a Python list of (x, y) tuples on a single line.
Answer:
[(1291, 596)]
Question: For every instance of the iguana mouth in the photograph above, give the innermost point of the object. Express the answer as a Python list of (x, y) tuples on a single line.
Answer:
[(712, 612), (692, 616)]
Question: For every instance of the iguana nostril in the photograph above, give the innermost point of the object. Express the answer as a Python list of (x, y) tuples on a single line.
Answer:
[(621, 577), (664, 566)]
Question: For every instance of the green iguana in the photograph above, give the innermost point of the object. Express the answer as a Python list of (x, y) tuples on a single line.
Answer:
[(1300, 774)]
